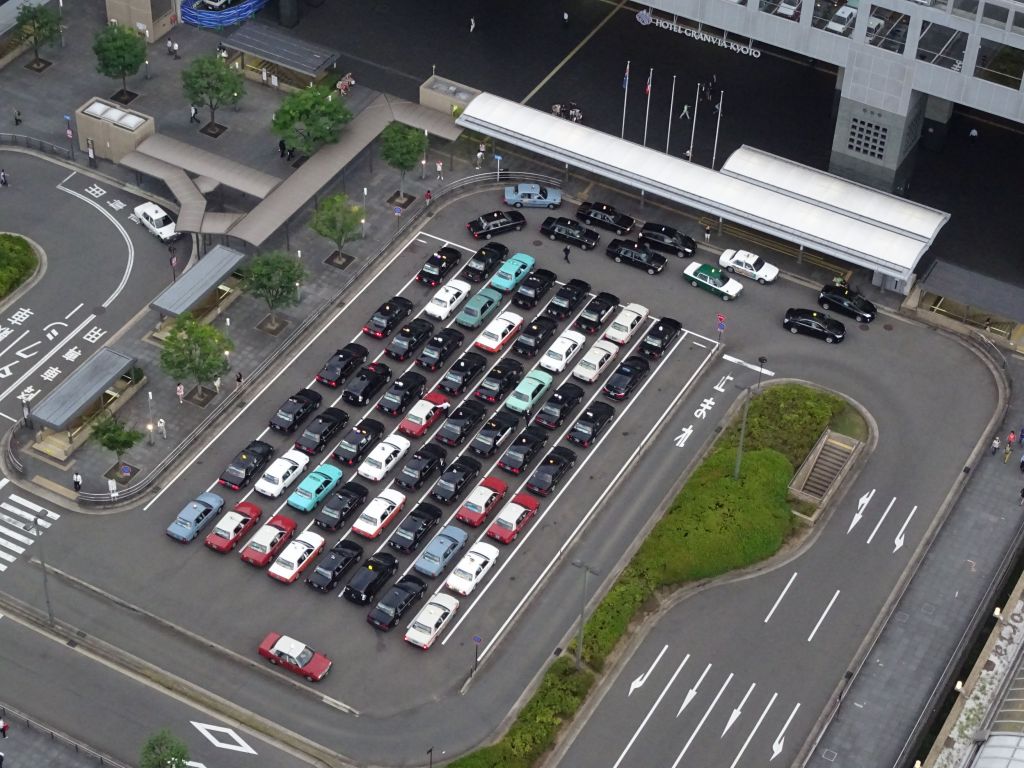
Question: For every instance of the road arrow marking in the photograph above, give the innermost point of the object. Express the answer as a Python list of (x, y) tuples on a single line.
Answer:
[(777, 746), (899, 536), (739, 709), (754, 730), (693, 691), (638, 683), (700, 725), (661, 696), (779, 598), (862, 504), (881, 520)]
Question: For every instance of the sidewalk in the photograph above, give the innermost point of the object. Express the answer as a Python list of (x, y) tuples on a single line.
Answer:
[(30, 744)]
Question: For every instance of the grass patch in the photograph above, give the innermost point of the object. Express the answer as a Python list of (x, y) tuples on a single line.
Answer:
[(849, 422), (17, 263), (715, 525)]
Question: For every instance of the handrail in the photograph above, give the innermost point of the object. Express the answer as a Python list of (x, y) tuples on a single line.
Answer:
[(17, 139), (11, 714)]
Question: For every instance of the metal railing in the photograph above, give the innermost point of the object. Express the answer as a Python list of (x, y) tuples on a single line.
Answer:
[(14, 717), (20, 140)]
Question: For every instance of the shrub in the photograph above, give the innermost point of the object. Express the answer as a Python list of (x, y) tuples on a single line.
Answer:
[(17, 262)]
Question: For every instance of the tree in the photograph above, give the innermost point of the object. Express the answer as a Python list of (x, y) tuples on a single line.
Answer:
[(338, 219), (310, 118), (402, 147), (195, 351), (209, 81), (163, 750), (39, 24), (113, 435), (119, 52), (274, 277)]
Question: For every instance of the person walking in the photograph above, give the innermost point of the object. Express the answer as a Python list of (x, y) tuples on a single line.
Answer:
[(995, 445), (76, 481), (193, 114), (3, 727), (1022, 497), (3, 178), (161, 427), (282, 147), (1022, 463), (175, 49), (439, 167), (216, 385), (170, 47), (565, 254), (427, 197), (565, 19), (1006, 454), (973, 135), (180, 392), (238, 381), (472, 24), (685, 113), (707, 233), (1011, 439), (291, 154), (17, 117)]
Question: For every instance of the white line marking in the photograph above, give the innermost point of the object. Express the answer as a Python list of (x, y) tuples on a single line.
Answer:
[(15, 535), (751, 366), (27, 516), (823, 615), (34, 507), (13, 547), (693, 690), (69, 314), (881, 520), (3, 481), (650, 712), (69, 176), (638, 683), (707, 714), (782, 594), (754, 730), (13, 343)]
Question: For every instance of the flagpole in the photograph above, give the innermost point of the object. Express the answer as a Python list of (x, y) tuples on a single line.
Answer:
[(625, 95), (671, 111), (714, 154), (693, 128), (650, 77)]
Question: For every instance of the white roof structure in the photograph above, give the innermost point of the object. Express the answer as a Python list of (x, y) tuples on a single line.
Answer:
[(811, 208)]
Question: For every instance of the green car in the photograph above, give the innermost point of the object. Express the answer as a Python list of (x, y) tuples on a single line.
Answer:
[(314, 488), (479, 308), (529, 392), (712, 279)]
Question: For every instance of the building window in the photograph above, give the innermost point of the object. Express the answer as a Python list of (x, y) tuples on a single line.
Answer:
[(968, 9), (1000, 64), (867, 138), (995, 15)]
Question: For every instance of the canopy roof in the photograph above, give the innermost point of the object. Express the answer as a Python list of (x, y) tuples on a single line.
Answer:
[(197, 281), (79, 390), (280, 48)]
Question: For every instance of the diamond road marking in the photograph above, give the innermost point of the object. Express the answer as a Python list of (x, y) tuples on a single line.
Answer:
[(208, 731)]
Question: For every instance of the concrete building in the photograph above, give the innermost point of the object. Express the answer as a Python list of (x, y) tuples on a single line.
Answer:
[(903, 64)]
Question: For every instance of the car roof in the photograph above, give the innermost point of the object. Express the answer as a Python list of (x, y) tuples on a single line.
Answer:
[(397, 441), (149, 208), (390, 494), (523, 258), (230, 520), (296, 456), (541, 376), (289, 646), (483, 548), (311, 538)]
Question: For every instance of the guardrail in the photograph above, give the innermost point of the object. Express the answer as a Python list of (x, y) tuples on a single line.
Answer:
[(14, 717), (21, 140)]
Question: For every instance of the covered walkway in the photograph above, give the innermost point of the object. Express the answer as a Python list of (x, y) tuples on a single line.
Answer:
[(268, 44), (197, 282), (810, 208), (82, 388)]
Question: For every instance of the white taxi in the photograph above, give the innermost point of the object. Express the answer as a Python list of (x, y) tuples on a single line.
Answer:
[(626, 324), (749, 265), (595, 361), (282, 473), (384, 456), (499, 332), (472, 568), (447, 298), (562, 350), (431, 621), (379, 513), (296, 557)]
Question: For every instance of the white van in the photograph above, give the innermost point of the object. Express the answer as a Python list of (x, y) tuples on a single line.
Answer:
[(843, 20)]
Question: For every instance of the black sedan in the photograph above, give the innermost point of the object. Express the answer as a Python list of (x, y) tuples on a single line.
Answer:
[(340, 505), (636, 255), (421, 465), (367, 581), (295, 410), (440, 348), (494, 223), (321, 430), (439, 266), (407, 389), (549, 473), (460, 423), (597, 312), (357, 443), (605, 216), (816, 324), (660, 237), (534, 336), (412, 336), (660, 338), (590, 424), (246, 465), (414, 529), (462, 374), (556, 410), (484, 262), (387, 317), (569, 231), (533, 288), (627, 377), (494, 433), (847, 302), (367, 383), (328, 571), (341, 365), (569, 296), (499, 381), (404, 594), (523, 450), (459, 475)]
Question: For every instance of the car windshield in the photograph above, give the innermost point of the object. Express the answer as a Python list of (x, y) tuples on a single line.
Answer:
[(620, 327), (325, 572), (591, 314), (430, 557), (373, 463), (411, 472), (283, 415), (560, 301), (234, 471), (550, 409), (477, 264), (516, 453), (431, 268), (859, 302), (387, 610), (162, 221), (183, 522), (584, 428), (310, 434), (272, 479), (224, 533), (490, 384), (502, 522), (304, 657), (347, 445), (528, 341), (508, 273), (368, 519), (474, 507), (392, 398), (529, 291), (554, 355), (412, 418), (437, 301), (587, 365), (418, 626), (403, 533), (653, 341), (303, 493), (471, 312), (400, 343), (446, 485), (453, 378), (462, 573), (286, 564), (379, 321), (520, 397)]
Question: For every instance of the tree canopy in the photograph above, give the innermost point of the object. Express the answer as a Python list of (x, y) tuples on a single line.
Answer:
[(310, 118), (338, 219), (210, 82), (402, 147), (39, 24), (274, 277), (113, 435), (195, 351), (163, 750), (119, 52)]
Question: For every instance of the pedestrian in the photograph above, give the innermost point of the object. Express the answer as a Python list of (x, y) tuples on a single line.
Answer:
[(170, 47), (479, 159), (180, 392), (707, 233), (216, 385), (3, 727), (161, 427), (685, 113), (427, 197), (193, 114), (76, 481), (282, 147), (995, 445), (1, 760), (439, 167), (1022, 463), (238, 381), (3, 178), (1022, 497), (973, 135), (565, 19), (17, 117), (176, 51), (472, 24), (1011, 439), (565, 254), (291, 154), (1006, 454)]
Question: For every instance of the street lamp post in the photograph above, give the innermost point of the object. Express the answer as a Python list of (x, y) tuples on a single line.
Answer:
[(587, 570), (149, 425), (761, 361), (430, 756), (743, 424), (37, 530)]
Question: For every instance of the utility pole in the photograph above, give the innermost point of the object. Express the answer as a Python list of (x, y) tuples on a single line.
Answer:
[(587, 570)]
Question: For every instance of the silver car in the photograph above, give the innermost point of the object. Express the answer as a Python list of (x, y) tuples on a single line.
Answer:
[(441, 550)]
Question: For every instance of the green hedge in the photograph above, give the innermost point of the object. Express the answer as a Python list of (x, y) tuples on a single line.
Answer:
[(714, 525), (17, 262)]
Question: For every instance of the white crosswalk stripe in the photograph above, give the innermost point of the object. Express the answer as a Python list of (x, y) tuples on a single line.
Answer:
[(21, 521)]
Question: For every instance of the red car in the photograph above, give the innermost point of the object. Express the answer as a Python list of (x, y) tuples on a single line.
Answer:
[(481, 501), (295, 656), (268, 541), (230, 529), (424, 414), (513, 518)]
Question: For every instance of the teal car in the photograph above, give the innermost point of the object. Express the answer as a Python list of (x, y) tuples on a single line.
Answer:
[(512, 272), (484, 304), (529, 392), (314, 488)]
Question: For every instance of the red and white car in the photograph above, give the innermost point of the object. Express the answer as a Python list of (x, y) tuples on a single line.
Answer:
[(296, 557), (294, 656), (499, 332), (513, 518), (481, 501), (379, 513), (472, 568), (268, 540), (230, 529), (424, 414)]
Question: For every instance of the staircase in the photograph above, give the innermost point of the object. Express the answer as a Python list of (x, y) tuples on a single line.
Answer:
[(825, 466)]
